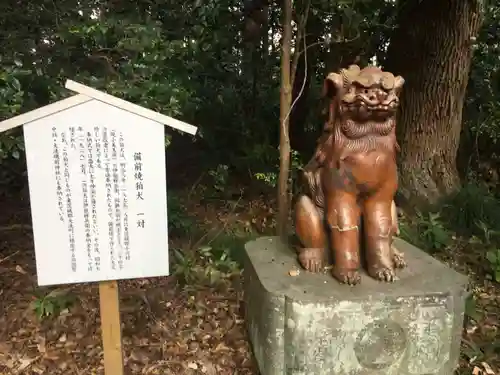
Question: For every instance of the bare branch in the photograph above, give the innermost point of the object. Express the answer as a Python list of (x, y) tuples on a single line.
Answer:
[(300, 34)]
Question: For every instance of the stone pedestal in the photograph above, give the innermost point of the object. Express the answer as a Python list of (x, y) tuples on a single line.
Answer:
[(311, 325)]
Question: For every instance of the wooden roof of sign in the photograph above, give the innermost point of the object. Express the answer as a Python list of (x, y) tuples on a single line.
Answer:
[(86, 94)]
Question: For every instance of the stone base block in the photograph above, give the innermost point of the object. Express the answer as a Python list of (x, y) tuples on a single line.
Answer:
[(311, 325)]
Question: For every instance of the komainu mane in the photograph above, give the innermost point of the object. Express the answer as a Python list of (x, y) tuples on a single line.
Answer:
[(353, 175)]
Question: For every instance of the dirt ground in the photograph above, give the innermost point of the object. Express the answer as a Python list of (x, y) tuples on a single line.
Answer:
[(168, 329)]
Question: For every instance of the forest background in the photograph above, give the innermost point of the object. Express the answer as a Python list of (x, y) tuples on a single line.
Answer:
[(217, 65)]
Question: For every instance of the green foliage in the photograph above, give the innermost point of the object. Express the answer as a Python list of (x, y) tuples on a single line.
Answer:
[(491, 243), (489, 235), (11, 93), (220, 258), (472, 212), (184, 59), (206, 265), (483, 104), (432, 230), (11, 102), (426, 231), (11, 145), (493, 257), (179, 222), (220, 176), (232, 241), (471, 351), (471, 310), (51, 304), (270, 177), (189, 60), (129, 59), (471, 205)]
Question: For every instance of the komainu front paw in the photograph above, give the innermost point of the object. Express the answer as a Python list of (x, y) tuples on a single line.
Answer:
[(385, 274), (312, 259), (398, 258), (346, 276)]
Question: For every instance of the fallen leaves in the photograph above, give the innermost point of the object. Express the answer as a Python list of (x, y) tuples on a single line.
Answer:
[(166, 330), (165, 327), (485, 370), (294, 272), (24, 363)]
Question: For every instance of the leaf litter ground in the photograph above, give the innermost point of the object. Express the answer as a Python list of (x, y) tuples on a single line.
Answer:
[(169, 329)]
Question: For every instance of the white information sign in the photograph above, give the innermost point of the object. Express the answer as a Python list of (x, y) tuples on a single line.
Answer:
[(97, 185)]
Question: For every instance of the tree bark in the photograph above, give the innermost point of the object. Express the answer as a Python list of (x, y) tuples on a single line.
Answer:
[(285, 104), (432, 49)]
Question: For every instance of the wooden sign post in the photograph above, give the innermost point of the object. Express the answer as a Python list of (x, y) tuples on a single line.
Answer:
[(97, 182), (111, 327)]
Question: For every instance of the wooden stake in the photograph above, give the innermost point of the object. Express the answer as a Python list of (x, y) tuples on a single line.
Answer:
[(111, 327)]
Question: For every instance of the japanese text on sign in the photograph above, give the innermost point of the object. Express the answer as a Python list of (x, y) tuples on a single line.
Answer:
[(99, 149)]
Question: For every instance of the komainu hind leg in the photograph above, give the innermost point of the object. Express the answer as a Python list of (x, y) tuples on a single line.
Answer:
[(397, 255), (310, 230)]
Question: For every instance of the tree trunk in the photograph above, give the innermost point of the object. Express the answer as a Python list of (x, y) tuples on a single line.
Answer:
[(432, 49), (285, 104)]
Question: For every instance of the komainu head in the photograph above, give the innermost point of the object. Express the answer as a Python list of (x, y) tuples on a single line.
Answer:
[(362, 95)]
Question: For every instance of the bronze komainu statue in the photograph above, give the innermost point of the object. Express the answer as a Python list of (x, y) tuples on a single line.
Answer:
[(353, 175)]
